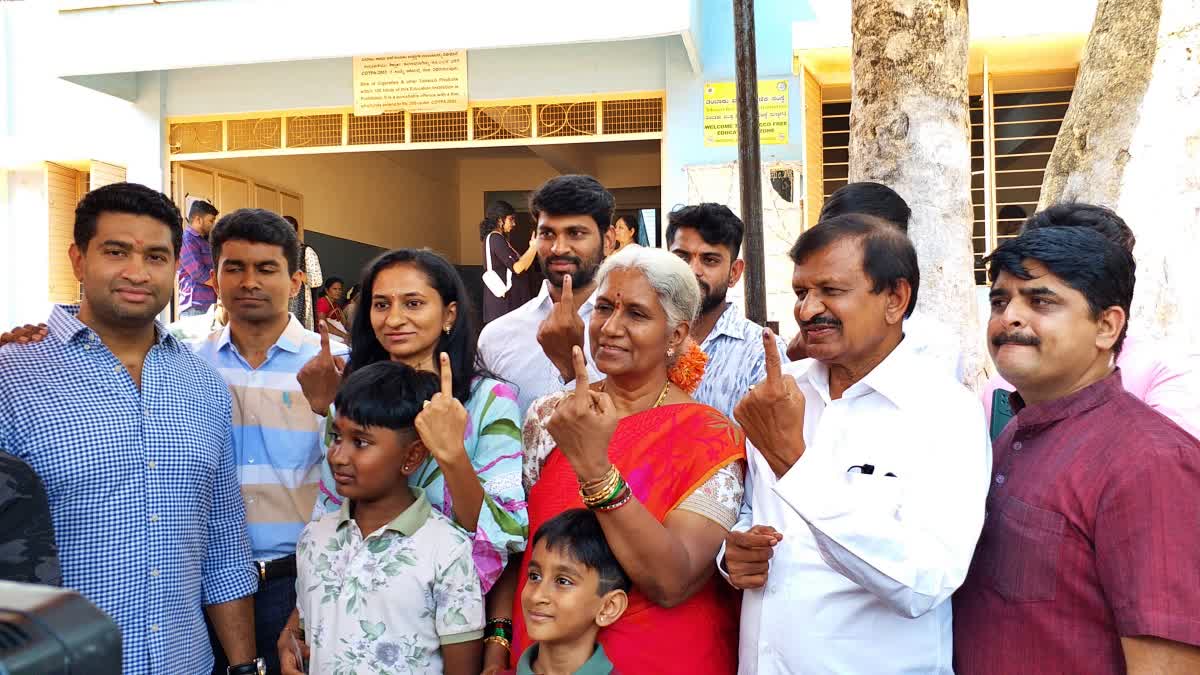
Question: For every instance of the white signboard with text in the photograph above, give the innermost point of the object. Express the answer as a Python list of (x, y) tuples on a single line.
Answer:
[(430, 82)]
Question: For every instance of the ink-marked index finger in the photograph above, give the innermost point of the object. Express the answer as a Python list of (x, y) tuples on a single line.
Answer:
[(324, 339), (581, 374), (447, 376), (774, 369), (568, 296)]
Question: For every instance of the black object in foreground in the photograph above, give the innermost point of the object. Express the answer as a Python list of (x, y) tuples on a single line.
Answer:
[(46, 630)]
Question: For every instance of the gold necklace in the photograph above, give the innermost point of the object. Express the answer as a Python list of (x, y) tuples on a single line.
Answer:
[(661, 397)]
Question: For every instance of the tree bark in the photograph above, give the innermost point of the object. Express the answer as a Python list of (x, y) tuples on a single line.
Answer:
[(910, 130), (1131, 141), (1092, 149)]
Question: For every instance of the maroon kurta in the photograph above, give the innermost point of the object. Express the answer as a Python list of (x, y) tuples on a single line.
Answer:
[(1092, 533)]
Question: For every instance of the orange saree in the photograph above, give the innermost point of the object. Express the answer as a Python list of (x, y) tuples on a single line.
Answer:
[(665, 454)]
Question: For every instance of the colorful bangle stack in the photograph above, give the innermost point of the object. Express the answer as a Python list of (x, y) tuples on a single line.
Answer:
[(499, 631), (606, 494)]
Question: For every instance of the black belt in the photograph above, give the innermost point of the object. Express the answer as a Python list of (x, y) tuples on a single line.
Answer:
[(279, 568)]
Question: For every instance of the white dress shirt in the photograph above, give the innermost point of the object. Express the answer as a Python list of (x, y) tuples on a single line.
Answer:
[(510, 349), (860, 582), (936, 341)]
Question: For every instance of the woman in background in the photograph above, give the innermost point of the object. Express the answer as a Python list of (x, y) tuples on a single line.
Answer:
[(505, 287), (625, 232), (350, 305), (329, 309), (310, 264)]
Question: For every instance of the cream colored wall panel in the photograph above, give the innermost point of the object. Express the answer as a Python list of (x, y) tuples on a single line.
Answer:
[(291, 205), (266, 198), (196, 182), (233, 193), (105, 174), (62, 196)]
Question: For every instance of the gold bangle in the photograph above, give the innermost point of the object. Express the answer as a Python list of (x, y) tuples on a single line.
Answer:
[(604, 493), (593, 484), (607, 497), (599, 490), (500, 641)]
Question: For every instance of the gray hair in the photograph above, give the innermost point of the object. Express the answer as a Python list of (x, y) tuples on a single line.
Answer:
[(671, 278)]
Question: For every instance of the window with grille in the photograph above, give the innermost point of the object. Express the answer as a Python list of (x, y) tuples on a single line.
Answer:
[(1025, 125), (835, 142)]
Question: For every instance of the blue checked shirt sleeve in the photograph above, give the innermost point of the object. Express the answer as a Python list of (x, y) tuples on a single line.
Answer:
[(228, 570)]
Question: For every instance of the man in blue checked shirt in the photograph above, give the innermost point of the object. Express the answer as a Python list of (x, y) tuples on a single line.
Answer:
[(131, 433), (277, 440), (708, 238)]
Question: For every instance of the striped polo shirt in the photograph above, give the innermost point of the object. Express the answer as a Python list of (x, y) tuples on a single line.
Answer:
[(277, 440)]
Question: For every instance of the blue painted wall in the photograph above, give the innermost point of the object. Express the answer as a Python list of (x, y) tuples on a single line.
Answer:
[(713, 29)]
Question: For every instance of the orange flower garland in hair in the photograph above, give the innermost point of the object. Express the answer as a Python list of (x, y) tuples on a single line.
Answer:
[(688, 369)]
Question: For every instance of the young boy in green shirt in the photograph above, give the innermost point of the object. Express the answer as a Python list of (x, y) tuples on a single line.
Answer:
[(575, 587)]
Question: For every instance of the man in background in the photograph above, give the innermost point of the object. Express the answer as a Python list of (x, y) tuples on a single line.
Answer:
[(196, 282), (708, 238)]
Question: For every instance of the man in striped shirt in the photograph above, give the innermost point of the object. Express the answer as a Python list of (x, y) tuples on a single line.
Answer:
[(277, 439)]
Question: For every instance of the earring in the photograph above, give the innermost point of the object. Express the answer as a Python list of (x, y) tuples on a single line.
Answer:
[(670, 352), (446, 330)]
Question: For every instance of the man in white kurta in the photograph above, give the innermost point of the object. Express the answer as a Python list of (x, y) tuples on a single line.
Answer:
[(867, 477)]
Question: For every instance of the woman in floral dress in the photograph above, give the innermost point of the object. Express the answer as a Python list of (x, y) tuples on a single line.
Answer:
[(415, 309)]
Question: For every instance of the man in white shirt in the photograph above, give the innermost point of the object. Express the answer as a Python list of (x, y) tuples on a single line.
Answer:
[(867, 475), (530, 346), (926, 335)]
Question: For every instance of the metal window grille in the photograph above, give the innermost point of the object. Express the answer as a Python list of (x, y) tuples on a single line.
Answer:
[(1025, 125), (255, 134), (309, 131), (376, 129), (1025, 128), (565, 119), (633, 116), (439, 127), (835, 144), (979, 226), (195, 137), (505, 124), (502, 122)]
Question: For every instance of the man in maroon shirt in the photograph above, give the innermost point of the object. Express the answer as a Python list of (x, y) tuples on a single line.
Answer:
[(1089, 560)]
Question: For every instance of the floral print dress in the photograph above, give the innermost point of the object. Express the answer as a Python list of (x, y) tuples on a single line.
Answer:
[(493, 442)]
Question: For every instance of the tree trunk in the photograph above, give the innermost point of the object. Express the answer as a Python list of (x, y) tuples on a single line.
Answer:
[(910, 130), (1131, 141)]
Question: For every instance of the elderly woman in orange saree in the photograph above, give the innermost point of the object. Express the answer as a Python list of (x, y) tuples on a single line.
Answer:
[(663, 473)]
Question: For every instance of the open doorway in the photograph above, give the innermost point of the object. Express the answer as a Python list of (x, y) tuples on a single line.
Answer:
[(353, 206)]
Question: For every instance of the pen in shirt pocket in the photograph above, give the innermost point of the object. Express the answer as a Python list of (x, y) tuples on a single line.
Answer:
[(867, 469)]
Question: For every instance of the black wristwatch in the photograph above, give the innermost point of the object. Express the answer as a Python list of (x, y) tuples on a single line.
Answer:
[(255, 667)]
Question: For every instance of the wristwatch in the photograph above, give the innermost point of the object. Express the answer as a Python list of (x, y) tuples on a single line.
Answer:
[(255, 667)]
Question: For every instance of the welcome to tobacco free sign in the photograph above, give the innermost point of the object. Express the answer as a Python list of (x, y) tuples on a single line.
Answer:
[(720, 113)]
